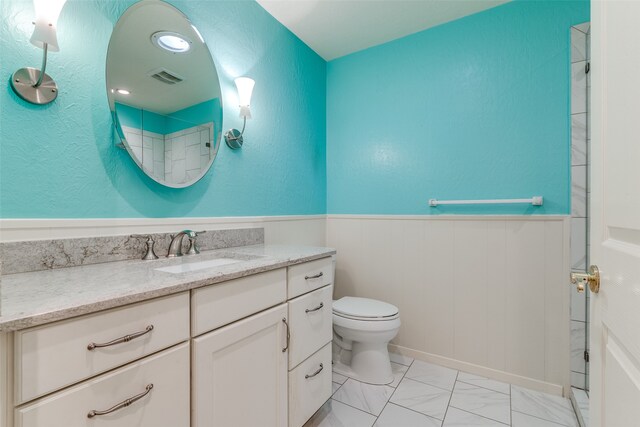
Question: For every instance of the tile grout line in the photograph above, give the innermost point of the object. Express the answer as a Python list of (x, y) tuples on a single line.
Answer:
[(339, 386), (353, 407), (418, 412), (394, 392), (450, 397), (438, 387), (404, 407), (543, 419), (486, 388), (510, 406), (481, 416)]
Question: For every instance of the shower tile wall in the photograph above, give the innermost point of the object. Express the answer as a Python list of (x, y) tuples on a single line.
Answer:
[(176, 157), (580, 142), (186, 153)]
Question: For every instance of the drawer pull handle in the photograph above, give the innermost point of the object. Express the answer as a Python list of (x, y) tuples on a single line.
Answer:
[(314, 309), (315, 276), (123, 404), (120, 340), (306, 377), (284, 319)]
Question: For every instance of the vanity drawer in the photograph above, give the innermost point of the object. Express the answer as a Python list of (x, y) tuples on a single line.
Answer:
[(220, 304), (309, 386), (306, 277), (311, 320), (165, 404), (57, 355)]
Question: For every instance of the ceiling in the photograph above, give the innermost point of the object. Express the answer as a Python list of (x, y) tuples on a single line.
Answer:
[(334, 28), (132, 58)]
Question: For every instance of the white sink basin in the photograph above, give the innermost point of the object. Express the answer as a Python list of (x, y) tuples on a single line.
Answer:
[(195, 266)]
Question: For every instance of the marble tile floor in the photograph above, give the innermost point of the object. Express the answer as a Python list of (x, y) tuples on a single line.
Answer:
[(581, 403), (427, 395)]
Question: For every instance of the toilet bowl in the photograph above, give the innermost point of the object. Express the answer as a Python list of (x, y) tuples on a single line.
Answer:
[(362, 329)]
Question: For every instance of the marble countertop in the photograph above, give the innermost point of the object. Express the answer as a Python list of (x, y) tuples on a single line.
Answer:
[(39, 297)]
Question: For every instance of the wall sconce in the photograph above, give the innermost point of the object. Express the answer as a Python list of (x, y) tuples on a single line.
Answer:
[(233, 137), (30, 84)]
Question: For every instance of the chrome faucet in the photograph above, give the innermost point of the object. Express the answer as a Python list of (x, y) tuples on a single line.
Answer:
[(175, 248)]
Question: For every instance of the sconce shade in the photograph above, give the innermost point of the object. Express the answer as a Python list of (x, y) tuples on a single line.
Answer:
[(46, 22), (245, 88), (32, 85), (234, 137)]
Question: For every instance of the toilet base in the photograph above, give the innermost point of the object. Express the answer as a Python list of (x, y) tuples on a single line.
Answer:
[(369, 364)]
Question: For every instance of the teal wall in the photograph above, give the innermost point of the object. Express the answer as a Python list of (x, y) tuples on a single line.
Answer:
[(195, 115), (140, 119), (475, 108), (59, 160)]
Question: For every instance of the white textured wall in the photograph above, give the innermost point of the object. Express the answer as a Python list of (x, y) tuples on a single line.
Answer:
[(476, 292)]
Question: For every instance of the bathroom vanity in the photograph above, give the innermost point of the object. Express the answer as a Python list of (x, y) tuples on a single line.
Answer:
[(195, 341)]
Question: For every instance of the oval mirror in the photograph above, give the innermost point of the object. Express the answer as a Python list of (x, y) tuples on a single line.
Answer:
[(164, 93)]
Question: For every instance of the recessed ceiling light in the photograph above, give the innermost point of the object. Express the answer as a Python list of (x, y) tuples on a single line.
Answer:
[(121, 91), (172, 42)]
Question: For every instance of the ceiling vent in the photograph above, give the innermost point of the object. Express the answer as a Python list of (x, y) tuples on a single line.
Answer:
[(165, 76)]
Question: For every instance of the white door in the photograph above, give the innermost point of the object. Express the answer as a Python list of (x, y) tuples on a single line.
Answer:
[(239, 373), (615, 226)]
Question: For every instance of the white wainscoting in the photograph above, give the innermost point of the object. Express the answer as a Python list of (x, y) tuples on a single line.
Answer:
[(302, 229), (487, 294)]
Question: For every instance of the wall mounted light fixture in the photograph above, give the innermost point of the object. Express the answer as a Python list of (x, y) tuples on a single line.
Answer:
[(30, 84), (233, 137)]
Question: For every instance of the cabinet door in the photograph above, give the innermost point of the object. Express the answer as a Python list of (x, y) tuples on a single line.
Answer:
[(240, 373)]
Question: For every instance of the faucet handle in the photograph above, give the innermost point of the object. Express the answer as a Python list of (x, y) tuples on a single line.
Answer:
[(150, 255), (193, 244)]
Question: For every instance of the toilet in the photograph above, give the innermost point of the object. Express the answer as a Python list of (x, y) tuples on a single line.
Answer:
[(362, 328)]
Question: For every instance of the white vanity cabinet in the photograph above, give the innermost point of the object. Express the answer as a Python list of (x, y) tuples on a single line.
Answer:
[(148, 344), (240, 373), (272, 369), (247, 352), (310, 287)]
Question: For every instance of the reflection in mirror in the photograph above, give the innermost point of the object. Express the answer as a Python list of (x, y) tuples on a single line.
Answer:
[(164, 93)]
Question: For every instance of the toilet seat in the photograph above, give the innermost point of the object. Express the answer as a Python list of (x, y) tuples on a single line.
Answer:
[(364, 309)]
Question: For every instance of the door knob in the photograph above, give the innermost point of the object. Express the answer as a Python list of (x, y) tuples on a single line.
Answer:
[(592, 277)]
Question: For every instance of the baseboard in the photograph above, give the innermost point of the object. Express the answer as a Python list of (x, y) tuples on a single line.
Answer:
[(494, 374)]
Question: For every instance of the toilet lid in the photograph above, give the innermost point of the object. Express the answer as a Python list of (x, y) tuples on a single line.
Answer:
[(364, 308)]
